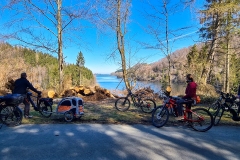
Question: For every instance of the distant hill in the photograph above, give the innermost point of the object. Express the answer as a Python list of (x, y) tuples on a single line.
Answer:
[(157, 71), (42, 68), (152, 72)]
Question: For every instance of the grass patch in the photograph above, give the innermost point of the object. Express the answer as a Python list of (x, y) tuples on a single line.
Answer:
[(104, 112)]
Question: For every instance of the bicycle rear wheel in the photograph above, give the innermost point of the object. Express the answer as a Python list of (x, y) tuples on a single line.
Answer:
[(148, 105), (217, 116), (122, 104), (160, 116), (202, 119), (45, 109), (11, 115)]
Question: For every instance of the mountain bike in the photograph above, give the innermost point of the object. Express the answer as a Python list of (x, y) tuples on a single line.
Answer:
[(200, 119), (123, 103), (226, 102), (10, 113), (42, 105)]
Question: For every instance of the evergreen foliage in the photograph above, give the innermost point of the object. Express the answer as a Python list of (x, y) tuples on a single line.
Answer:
[(80, 60), (43, 69)]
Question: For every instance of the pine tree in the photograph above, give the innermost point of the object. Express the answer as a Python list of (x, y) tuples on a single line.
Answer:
[(80, 60), (219, 19), (80, 63)]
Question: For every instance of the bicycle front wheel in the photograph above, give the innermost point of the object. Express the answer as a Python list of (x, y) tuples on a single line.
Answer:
[(217, 116), (11, 115), (148, 105), (122, 104), (213, 107), (45, 109), (202, 119), (160, 116)]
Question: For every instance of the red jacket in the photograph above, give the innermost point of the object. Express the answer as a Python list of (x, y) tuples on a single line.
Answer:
[(191, 90)]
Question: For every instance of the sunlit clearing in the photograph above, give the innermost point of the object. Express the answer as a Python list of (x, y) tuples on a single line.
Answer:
[(69, 133), (56, 132), (111, 133), (22, 130), (5, 150), (121, 153)]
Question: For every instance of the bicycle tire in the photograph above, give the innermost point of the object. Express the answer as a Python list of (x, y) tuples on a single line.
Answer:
[(11, 115), (160, 116), (217, 116), (68, 116), (122, 104), (148, 105), (202, 119), (45, 109)]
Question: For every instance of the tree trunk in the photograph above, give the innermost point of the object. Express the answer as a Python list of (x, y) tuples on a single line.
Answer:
[(209, 62), (227, 66), (60, 53), (120, 41)]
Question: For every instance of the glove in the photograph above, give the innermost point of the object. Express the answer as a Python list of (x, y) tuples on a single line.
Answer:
[(39, 92)]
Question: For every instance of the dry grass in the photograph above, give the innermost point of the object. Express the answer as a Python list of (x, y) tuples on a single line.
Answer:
[(104, 112)]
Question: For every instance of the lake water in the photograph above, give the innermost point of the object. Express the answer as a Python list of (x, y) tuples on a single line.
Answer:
[(113, 83)]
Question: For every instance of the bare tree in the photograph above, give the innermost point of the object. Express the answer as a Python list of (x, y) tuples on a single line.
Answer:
[(117, 19), (44, 25), (158, 26)]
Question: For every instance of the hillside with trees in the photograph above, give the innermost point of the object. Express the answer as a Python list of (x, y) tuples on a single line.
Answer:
[(189, 60), (41, 68)]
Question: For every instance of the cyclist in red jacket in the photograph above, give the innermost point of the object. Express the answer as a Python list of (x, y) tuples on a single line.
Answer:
[(190, 93), (191, 88)]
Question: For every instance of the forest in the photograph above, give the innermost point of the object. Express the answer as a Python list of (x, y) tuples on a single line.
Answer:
[(50, 26), (189, 60), (41, 68)]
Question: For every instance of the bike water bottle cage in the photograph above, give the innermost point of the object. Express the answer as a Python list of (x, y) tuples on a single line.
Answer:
[(47, 100), (171, 101), (29, 93)]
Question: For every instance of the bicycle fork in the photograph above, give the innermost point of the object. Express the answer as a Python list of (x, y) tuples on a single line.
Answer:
[(161, 113)]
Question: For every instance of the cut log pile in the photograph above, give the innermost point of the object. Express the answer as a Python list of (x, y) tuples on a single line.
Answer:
[(10, 84), (95, 93), (84, 92)]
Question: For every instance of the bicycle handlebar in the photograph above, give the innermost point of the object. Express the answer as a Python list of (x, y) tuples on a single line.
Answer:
[(228, 97), (31, 94)]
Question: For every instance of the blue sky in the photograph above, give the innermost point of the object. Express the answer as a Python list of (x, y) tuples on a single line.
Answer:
[(101, 46), (98, 46)]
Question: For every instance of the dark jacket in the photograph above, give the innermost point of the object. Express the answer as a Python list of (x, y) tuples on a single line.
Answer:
[(191, 90), (21, 85)]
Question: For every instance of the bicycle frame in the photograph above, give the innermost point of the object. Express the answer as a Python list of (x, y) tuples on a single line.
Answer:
[(29, 95), (227, 101), (199, 119), (133, 97), (170, 103), (188, 117)]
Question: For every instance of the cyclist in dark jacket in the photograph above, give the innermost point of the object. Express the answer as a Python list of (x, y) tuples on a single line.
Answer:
[(20, 87)]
